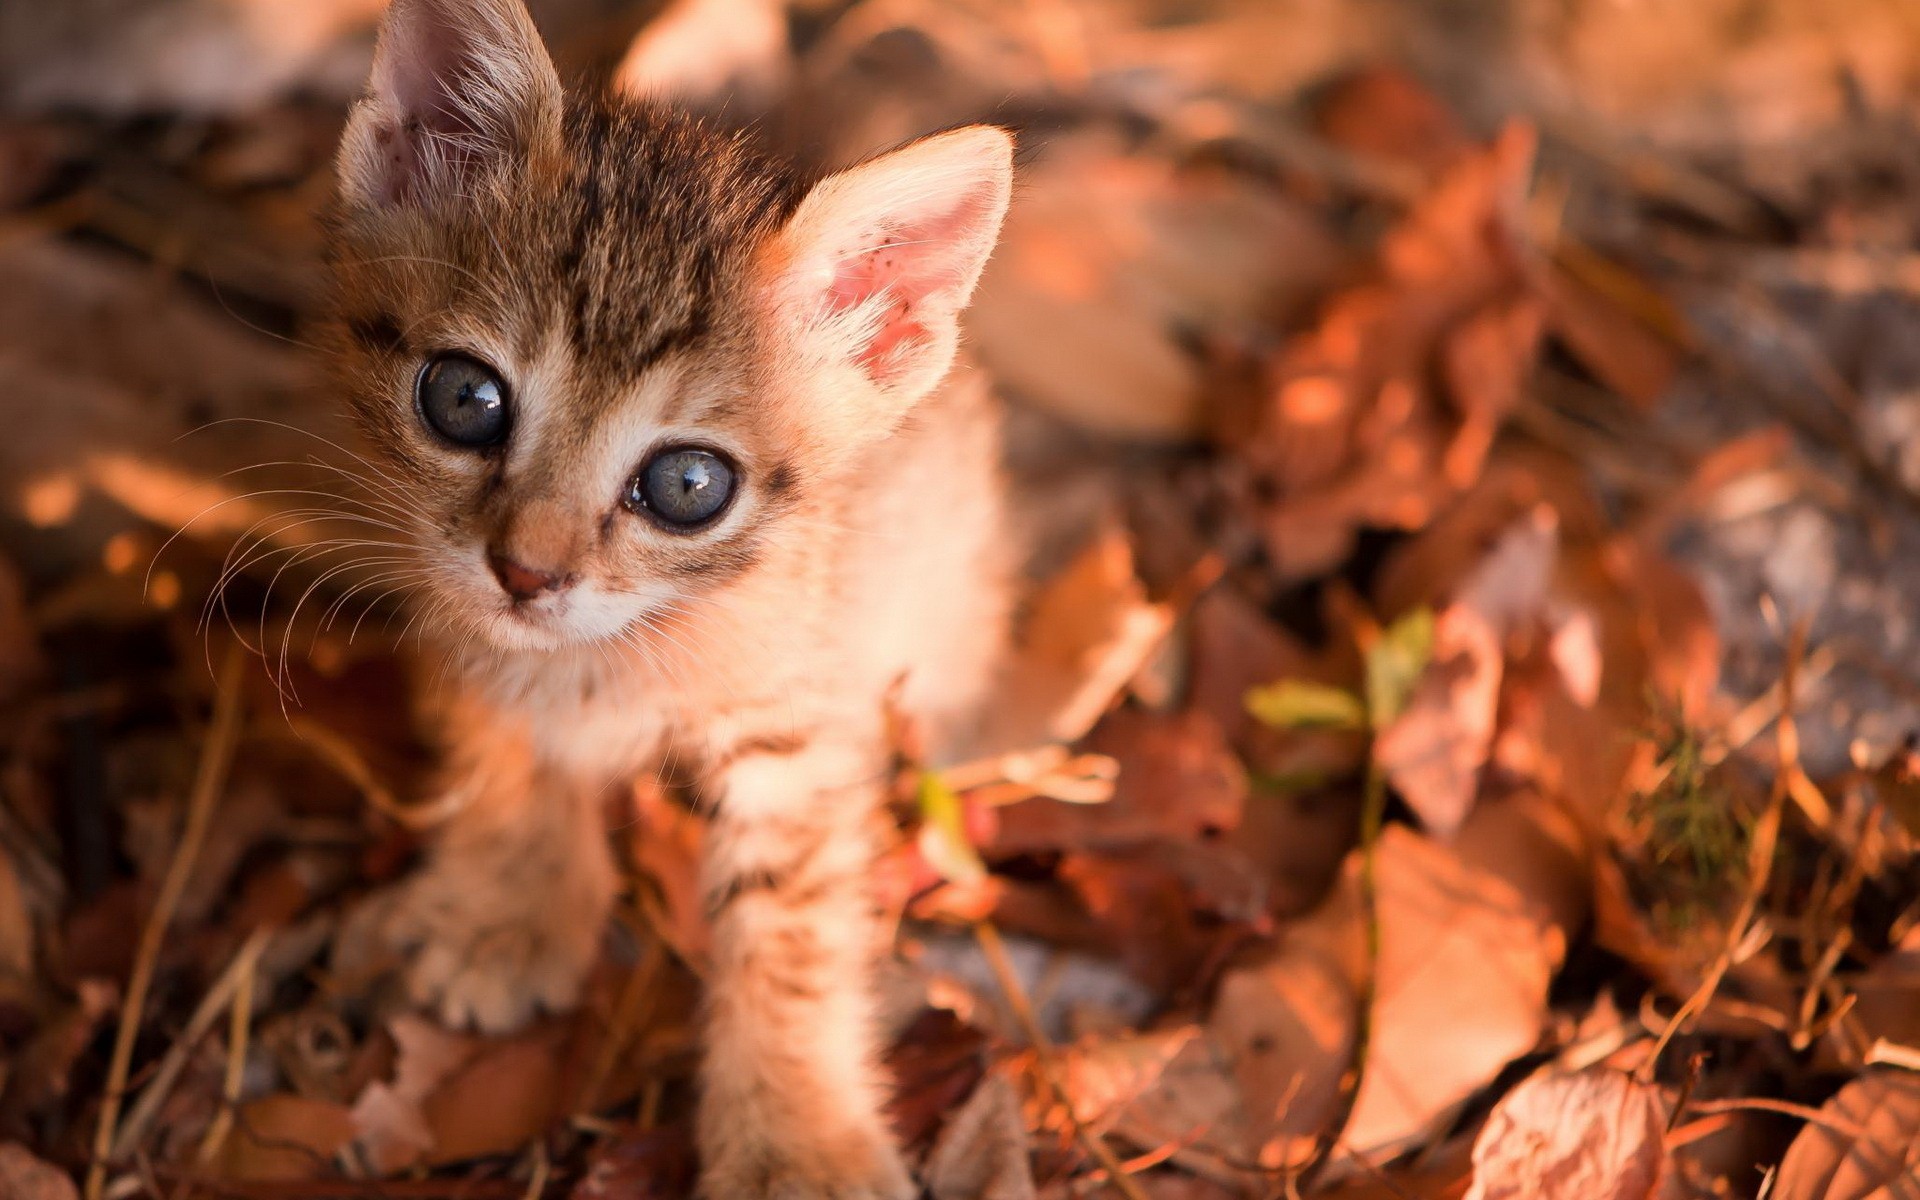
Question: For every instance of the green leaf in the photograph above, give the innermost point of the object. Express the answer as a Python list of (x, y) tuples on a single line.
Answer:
[(1395, 663), (1298, 704), (943, 832)]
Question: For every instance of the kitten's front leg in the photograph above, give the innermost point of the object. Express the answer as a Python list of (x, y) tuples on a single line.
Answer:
[(504, 919), (791, 1093)]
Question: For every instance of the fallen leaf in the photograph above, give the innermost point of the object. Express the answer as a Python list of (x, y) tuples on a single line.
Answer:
[(1864, 1147), (390, 1126), (1172, 1087), (982, 1152), (1467, 954), (646, 1164), (1350, 431), (284, 1138), (1589, 1135), (24, 1177), (1090, 630), (1109, 256), (1433, 752), (1178, 780), (500, 1098), (710, 52)]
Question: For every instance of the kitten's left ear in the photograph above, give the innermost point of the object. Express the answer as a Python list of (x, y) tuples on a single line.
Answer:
[(458, 86), (878, 261)]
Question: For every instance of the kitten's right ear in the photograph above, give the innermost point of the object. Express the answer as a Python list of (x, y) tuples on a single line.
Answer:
[(458, 86)]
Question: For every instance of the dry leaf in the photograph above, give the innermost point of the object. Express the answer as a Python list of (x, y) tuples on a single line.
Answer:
[(1434, 751), (1467, 954), (1350, 432), (1178, 781), (1109, 256), (390, 1128), (1173, 1087), (24, 1177), (711, 52), (982, 1152), (1864, 1149), (1591, 1135), (283, 1137), (1090, 630)]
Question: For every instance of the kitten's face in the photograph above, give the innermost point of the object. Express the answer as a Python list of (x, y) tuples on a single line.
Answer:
[(606, 359), (581, 407)]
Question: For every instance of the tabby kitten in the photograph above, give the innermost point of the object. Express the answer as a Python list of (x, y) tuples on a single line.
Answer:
[(683, 478)]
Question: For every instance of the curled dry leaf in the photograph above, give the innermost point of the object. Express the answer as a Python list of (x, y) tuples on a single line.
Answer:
[(1863, 1146), (1588, 1135)]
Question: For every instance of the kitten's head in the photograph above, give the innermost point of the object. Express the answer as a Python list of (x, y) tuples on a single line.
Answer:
[(603, 355)]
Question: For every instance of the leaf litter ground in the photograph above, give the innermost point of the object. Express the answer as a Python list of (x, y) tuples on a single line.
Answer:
[(1463, 720)]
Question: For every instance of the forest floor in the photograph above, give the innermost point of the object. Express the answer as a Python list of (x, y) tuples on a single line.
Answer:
[(1469, 457)]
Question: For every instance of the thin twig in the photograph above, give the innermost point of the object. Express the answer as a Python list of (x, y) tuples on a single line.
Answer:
[(216, 755), (1009, 980)]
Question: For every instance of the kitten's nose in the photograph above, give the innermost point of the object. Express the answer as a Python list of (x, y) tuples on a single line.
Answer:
[(523, 582)]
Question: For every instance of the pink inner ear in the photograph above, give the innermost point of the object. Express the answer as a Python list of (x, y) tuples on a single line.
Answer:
[(917, 266)]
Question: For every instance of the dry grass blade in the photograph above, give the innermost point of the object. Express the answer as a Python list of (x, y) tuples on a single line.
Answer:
[(1009, 981), (216, 756)]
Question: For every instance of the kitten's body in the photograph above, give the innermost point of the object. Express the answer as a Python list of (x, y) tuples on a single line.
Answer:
[(638, 287)]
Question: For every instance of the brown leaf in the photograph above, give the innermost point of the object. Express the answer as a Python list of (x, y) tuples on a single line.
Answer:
[(1177, 780), (1109, 255), (1091, 628), (1434, 751), (1591, 1135), (501, 1098), (652, 1164), (1351, 433), (283, 1137), (1172, 1087), (982, 1153), (1385, 113), (1864, 1149), (1467, 954), (389, 1123), (24, 1177)]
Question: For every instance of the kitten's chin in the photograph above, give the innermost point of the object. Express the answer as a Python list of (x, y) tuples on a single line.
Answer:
[(534, 629)]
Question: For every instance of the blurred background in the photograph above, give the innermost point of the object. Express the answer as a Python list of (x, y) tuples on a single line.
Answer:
[(1467, 455)]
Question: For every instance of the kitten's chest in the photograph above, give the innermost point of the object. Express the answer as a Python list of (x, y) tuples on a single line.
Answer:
[(610, 716)]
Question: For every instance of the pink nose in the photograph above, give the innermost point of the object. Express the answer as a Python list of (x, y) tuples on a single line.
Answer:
[(524, 582)]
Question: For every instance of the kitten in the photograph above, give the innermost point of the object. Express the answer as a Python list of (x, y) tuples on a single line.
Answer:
[(681, 476)]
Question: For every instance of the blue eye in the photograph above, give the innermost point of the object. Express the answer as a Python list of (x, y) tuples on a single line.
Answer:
[(682, 486), (463, 400)]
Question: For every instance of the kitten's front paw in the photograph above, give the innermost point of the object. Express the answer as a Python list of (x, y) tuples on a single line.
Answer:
[(483, 951), (859, 1169)]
